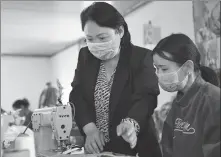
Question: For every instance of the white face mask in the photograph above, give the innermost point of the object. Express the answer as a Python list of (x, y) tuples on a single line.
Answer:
[(171, 82), (19, 120), (105, 50)]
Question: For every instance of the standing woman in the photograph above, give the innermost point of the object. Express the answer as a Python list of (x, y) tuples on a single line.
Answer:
[(115, 87), (192, 127)]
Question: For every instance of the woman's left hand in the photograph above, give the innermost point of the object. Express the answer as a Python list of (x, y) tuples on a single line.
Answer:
[(127, 131)]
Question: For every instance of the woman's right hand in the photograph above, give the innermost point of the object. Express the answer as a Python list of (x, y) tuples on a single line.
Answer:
[(94, 139)]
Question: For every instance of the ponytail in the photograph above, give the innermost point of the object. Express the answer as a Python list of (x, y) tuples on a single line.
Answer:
[(209, 75)]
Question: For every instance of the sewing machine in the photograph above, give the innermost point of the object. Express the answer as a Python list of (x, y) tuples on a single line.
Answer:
[(52, 127)]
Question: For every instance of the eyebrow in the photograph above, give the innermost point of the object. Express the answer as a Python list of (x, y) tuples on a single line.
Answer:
[(98, 34), (102, 34), (159, 65)]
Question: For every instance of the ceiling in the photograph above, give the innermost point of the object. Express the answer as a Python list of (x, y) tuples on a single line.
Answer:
[(44, 28), (39, 28)]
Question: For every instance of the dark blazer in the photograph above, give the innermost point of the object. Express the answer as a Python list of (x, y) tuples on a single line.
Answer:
[(134, 94)]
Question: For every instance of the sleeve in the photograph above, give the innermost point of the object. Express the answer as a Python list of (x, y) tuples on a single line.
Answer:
[(211, 139), (145, 92), (83, 115), (134, 123)]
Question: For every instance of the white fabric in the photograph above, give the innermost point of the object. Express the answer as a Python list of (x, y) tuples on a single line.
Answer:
[(12, 133)]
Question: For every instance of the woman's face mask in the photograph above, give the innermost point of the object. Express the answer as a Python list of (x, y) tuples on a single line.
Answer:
[(102, 42), (174, 81), (170, 77), (18, 119), (105, 50), (171, 81)]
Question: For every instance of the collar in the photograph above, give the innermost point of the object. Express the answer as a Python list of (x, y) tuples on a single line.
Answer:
[(185, 98)]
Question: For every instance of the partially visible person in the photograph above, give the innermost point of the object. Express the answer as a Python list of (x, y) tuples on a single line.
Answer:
[(218, 75), (192, 127), (48, 97), (3, 111), (22, 106), (159, 117)]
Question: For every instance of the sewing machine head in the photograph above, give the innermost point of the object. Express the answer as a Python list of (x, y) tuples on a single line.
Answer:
[(52, 127)]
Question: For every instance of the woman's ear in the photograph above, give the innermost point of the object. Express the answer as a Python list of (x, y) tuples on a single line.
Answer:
[(189, 66), (120, 31)]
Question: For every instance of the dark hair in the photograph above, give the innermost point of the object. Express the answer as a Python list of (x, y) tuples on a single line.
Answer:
[(48, 84), (181, 49), (21, 102), (2, 111), (105, 15), (209, 75)]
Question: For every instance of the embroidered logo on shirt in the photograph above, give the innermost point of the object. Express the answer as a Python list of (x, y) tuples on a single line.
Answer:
[(184, 127)]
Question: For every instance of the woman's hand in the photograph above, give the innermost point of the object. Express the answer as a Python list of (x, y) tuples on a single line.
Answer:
[(94, 139), (127, 131)]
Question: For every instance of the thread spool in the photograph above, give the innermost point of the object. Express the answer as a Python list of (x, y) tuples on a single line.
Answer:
[(25, 142)]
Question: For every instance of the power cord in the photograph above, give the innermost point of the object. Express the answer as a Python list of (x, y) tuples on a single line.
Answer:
[(27, 127)]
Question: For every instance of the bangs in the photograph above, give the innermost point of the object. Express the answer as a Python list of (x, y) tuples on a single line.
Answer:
[(163, 55)]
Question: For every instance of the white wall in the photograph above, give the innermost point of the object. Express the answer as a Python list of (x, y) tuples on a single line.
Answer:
[(63, 68), (171, 16), (23, 77)]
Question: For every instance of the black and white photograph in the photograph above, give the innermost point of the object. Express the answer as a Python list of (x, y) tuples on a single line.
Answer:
[(135, 78)]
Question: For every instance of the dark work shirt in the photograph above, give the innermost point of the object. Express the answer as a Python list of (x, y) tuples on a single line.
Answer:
[(192, 127)]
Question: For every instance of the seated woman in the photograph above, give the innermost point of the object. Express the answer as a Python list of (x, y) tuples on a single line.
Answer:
[(192, 127), (23, 106)]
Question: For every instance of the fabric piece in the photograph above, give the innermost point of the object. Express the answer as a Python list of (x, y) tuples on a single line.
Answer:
[(13, 132)]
